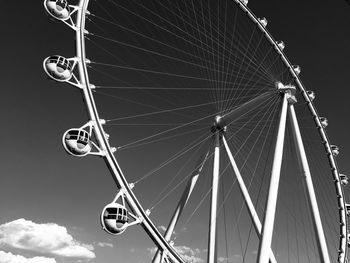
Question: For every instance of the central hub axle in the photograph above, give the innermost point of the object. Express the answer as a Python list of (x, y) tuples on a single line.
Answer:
[(219, 124)]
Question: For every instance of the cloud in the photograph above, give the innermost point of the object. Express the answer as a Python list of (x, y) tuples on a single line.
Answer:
[(152, 250), (163, 228), (105, 244), (222, 259), (48, 238), (187, 253), (11, 258)]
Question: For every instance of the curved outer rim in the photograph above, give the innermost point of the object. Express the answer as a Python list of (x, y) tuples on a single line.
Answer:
[(109, 158), (118, 176)]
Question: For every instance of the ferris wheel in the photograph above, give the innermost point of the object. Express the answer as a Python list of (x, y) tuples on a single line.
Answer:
[(196, 110)]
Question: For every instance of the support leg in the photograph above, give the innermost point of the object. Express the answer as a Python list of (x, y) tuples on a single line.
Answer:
[(269, 219), (214, 202), (246, 196), (304, 165), (182, 203)]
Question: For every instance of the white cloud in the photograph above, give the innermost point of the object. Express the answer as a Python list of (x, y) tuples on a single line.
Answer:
[(222, 259), (163, 228), (187, 253), (48, 238), (152, 250), (11, 258), (105, 244)]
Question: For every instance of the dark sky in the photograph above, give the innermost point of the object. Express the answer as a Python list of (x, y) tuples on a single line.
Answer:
[(41, 183)]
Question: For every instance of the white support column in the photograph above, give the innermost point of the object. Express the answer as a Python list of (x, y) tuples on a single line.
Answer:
[(246, 196), (214, 201), (182, 203), (269, 219), (304, 165)]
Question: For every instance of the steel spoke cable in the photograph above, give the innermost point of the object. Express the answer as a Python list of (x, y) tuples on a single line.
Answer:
[(247, 243), (262, 61), (268, 112), (156, 124), (204, 17), (160, 197), (184, 180), (151, 71), (147, 50), (171, 110), (224, 49), (141, 142), (208, 40), (205, 196), (113, 77), (175, 156), (208, 65), (108, 53), (163, 132), (144, 35), (271, 114), (163, 19), (260, 185), (231, 46), (137, 103), (151, 51), (158, 26), (142, 70), (218, 50), (240, 66), (242, 46), (164, 88), (232, 137), (156, 40), (244, 56), (245, 72), (220, 207), (129, 100), (258, 79)]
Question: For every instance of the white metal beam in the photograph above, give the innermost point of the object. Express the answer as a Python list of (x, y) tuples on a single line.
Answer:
[(304, 165), (246, 196), (241, 110), (269, 219), (182, 203), (214, 201)]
